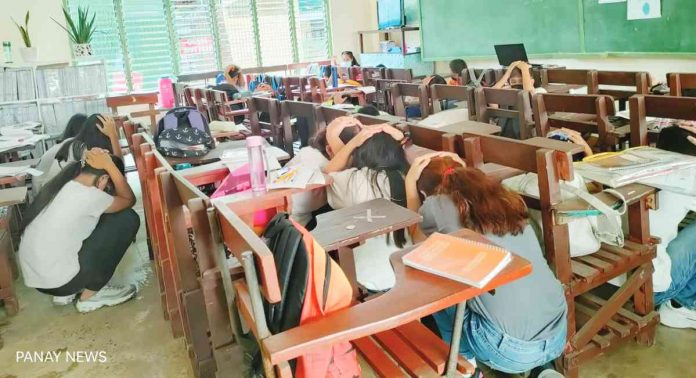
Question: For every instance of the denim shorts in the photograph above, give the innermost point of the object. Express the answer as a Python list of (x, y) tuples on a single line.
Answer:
[(483, 341)]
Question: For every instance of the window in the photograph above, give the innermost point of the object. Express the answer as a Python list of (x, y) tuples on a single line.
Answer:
[(144, 40)]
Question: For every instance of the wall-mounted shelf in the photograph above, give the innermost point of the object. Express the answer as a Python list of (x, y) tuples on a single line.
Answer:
[(386, 33)]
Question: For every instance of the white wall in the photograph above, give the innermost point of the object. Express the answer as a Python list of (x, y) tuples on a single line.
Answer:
[(51, 41), (347, 18)]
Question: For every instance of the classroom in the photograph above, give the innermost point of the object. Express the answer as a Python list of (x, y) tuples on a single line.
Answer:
[(334, 188)]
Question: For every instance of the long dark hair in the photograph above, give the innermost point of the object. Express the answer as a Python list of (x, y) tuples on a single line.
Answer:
[(74, 126), (353, 61), (319, 141), (674, 139), (383, 154), (89, 137), (51, 189)]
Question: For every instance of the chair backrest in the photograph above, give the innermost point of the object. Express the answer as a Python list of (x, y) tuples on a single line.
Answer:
[(489, 76), (317, 90), (638, 81), (511, 104), (201, 100), (383, 88), (295, 83), (189, 98), (552, 166), (576, 77), (595, 105), (179, 94), (399, 92), (682, 108), (369, 74), (304, 110), (405, 74), (440, 92), (222, 103), (267, 105), (327, 114), (678, 82), (149, 99)]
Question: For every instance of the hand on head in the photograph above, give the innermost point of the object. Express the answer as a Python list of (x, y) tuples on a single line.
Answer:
[(98, 158), (263, 87), (108, 125), (368, 132), (421, 162)]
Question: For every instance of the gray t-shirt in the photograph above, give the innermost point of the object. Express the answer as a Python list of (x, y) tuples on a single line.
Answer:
[(532, 308)]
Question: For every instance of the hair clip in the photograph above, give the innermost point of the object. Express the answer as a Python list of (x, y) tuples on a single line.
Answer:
[(448, 172), (83, 163)]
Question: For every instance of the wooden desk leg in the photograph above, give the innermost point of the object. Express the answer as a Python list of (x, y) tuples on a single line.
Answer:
[(451, 371), (346, 260)]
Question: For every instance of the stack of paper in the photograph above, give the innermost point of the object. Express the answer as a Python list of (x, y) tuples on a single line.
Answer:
[(19, 171), (661, 163)]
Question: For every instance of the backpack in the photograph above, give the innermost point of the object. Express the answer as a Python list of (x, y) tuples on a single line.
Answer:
[(183, 132), (312, 285)]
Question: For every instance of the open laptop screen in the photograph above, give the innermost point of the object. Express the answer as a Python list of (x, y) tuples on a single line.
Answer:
[(507, 54)]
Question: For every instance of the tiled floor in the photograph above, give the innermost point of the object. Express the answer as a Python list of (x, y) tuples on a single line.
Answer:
[(137, 340)]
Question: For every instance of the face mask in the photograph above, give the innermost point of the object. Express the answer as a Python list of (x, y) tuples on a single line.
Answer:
[(345, 64)]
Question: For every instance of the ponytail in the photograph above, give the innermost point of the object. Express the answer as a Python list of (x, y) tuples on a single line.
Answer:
[(49, 191)]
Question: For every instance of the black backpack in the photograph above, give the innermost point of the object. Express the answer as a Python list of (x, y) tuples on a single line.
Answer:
[(183, 132)]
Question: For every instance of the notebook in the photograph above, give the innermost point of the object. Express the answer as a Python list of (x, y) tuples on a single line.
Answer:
[(458, 259)]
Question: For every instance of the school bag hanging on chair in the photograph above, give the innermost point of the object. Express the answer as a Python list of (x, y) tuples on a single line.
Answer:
[(312, 285), (183, 132)]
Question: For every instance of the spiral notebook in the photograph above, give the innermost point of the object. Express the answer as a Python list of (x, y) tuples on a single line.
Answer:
[(458, 259)]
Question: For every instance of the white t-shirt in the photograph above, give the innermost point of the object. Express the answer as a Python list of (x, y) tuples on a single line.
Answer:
[(48, 252), (303, 204), (353, 187)]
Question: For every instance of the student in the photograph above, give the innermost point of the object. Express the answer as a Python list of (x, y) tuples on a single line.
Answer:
[(371, 165), (97, 131), (236, 87), (74, 126), (523, 325), (348, 59), (517, 76), (75, 233), (324, 146), (457, 67)]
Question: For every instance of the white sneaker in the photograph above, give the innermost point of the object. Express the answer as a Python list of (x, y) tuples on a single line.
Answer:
[(680, 317), (63, 301), (107, 296)]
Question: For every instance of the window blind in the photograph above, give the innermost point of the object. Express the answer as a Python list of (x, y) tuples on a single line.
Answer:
[(275, 40), (238, 40), (312, 25), (192, 20), (149, 47)]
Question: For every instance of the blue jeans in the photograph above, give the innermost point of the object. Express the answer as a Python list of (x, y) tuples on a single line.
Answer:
[(682, 252), (482, 340)]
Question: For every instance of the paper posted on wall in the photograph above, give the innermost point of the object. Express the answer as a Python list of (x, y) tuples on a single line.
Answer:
[(643, 9)]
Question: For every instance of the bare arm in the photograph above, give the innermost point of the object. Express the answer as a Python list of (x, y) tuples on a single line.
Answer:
[(109, 129), (124, 197)]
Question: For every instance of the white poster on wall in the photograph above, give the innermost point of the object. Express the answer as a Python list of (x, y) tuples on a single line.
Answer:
[(611, 1), (644, 9)]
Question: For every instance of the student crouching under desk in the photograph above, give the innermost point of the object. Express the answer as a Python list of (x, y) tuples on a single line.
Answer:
[(76, 233), (95, 131), (522, 326)]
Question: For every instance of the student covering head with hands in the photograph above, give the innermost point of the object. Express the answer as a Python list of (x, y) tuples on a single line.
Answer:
[(95, 131), (450, 197), (77, 230)]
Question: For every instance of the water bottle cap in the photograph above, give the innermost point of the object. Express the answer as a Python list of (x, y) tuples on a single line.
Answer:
[(254, 141)]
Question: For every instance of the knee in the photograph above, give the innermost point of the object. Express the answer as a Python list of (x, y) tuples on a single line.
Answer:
[(128, 220)]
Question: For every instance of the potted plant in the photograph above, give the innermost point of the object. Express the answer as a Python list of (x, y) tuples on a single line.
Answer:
[(80, 31), (29, 53)]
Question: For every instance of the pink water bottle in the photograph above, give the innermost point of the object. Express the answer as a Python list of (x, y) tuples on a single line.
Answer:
[(257, 163), (166, 93)]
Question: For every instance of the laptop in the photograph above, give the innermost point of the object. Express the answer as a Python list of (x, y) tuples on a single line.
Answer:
[(507, 54)]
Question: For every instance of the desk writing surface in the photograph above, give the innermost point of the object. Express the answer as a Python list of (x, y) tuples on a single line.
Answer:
[(468, 127), (397, 307), (216, 153)]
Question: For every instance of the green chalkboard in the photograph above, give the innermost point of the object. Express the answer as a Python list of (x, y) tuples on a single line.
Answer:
[(465, 28), (607, 30), (461, 28)]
